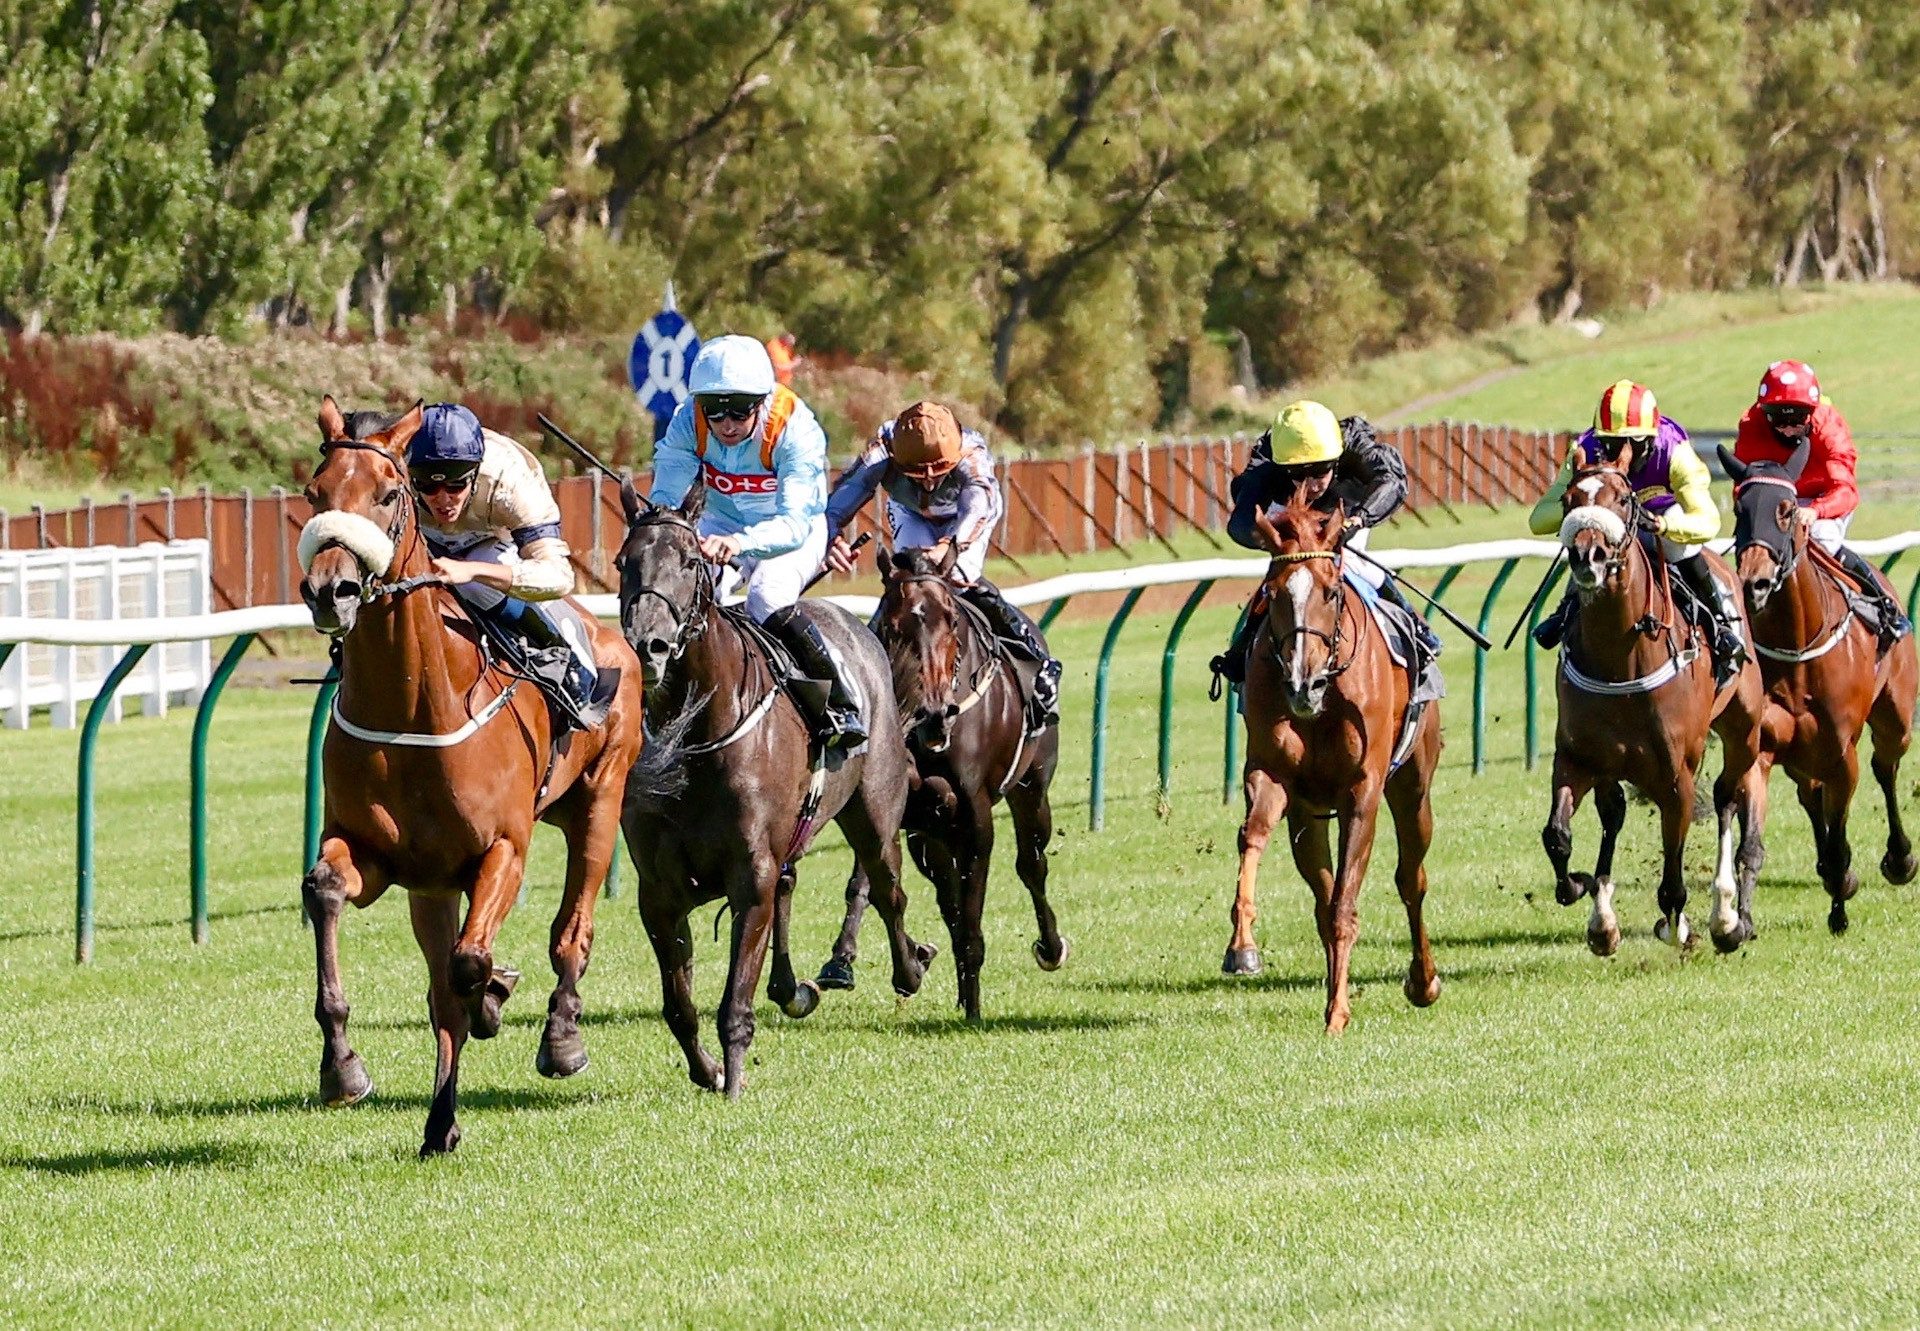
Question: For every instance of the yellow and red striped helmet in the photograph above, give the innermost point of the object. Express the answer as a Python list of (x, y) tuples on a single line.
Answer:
[(1627, 411)]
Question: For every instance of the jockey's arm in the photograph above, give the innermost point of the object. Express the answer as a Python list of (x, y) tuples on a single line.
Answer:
[(1835, 442), (974, 508), (856, 485), (1378, 466), (800, 491), (1252, 491), (1546, 516), (1694, 518), (676, 467)]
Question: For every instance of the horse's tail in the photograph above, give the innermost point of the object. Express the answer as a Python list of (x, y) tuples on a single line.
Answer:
[(659, 775)]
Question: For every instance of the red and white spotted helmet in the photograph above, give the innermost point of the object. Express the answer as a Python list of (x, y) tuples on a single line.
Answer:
[(1789, 383)]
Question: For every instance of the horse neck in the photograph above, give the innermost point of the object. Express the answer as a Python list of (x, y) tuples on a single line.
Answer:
[(714, 663), (1798, 613), (1606, 625), (396, 672)]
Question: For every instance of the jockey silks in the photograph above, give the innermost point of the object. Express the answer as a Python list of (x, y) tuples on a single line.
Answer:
[(769, 489)]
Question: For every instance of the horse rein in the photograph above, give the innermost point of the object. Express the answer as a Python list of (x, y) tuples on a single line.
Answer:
[(686, 628), (376, 587), (1334, 667)]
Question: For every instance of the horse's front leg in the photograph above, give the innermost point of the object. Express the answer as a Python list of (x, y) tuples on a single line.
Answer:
[(481, 985), (751, 889), (665, 918), (1266, 803), (336, 879), (1676, 814), (799, 998), (1891, 723), (1836, 852), (1603, 927), (1356, 852), (837, 972), (1570, 785), (436, 919), (1737, 798), (592, 834)]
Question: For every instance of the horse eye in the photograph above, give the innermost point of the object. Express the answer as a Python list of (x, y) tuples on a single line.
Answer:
[(387, 499)]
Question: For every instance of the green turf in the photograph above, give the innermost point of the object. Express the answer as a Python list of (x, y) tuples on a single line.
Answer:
[(1133, 1140)]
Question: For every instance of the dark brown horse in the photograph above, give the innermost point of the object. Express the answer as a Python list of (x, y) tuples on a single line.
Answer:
[(754, 795), (1824, 671), (1637, 700), (1325, 704), (450, 764), (961, 698)]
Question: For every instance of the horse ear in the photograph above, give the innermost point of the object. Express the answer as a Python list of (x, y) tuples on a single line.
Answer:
[(1797, 463), (397, 434), (695, 503), (948, 560), (1264, 534), (635, 504), (332, 424), (1735, 467)]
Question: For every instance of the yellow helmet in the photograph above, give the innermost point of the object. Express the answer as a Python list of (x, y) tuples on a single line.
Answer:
[(1627, 411), (1305, 434)]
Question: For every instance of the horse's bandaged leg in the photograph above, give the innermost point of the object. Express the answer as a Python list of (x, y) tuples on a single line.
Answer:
[(1726, 918)]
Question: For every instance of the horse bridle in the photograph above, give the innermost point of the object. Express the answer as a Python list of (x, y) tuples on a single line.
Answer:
[(1334, 666), (686, 628), (375, 586), (1618, 555), (1784, 561), (981, 678)]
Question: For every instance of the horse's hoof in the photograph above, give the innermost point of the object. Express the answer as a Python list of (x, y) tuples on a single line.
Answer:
[(806, 997), (1052, 963), (1577, 885), (836, 974), (560, 1057), (1337, 1022), (345, 1084), (1241, 961), (1899, 872), (1837, 918), (1418, 996), (442, 1144), (1603, 942), (1728, 941), (926, 952)]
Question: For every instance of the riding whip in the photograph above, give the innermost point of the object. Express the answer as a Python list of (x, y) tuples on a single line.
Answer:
[(579, 448), (1445, 613), (1526, 612), (858, 545)]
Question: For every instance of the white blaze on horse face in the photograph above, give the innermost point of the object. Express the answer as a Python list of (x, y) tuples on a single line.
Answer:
[(1725, 918), (1590, 488), (1300, 587)]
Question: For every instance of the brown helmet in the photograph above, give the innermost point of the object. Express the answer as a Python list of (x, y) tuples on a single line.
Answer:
[(926, 441)]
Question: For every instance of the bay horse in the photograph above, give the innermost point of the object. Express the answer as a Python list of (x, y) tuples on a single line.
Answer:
[(1637, 701), (436, 767), (1325, 705), (1824, 672), (754, 794), (962, 708)]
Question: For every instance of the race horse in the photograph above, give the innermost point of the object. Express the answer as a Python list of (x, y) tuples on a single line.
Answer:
[(1824, 672), (757, 788), (962, 701), (1326, 707), (1637, 701), (437, 764)]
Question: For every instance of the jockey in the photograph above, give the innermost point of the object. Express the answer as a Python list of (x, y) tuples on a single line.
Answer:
[(762, 457), (941, 492), (1674, 487), (494, 529), (1332, 461), (1790, 412)]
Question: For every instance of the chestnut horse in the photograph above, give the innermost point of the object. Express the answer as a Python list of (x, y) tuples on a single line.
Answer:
[(1325, 706), (755, 794), (1823, 669), (1637, 700), (962, 707), (436, 767)]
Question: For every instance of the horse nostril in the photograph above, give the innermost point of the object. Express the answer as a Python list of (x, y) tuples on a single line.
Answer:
[(346, 590), (658, 647)]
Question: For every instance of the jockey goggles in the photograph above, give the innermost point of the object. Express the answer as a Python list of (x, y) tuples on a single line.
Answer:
[(1786, 413), (730, 406), (434, 480)]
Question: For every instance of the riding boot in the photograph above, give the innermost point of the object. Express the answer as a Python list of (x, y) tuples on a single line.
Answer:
[(835, 718), (1552, 630), (1231, 665), (1894, 624), (1022, 636), (1391, 593), (576, 688), (1728, 644)]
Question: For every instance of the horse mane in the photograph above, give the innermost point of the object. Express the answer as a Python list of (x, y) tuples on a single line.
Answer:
[(366, 424), (914, 563)]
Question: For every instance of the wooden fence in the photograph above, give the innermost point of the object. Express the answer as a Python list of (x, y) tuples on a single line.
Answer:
[(1143, 494)]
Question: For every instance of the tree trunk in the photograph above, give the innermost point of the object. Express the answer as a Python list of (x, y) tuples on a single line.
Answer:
[(378, 284), (1796, 259), (342, 307), (1008, 328), (1876, 222)]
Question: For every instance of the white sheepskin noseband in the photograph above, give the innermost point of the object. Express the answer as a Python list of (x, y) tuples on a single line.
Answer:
[(357, 535), (1589, 517)]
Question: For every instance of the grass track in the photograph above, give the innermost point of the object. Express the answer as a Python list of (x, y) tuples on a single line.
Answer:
[(1564, 1141)]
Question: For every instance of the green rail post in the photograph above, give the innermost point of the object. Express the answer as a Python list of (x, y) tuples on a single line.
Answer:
[(1532, 650), (1166, 688), (316, 790), (1440, 587), (1097, 785), (1913, 598), (1887, 567), (1230, 745), (1053, 612), (202, 725), (6, 650), (1480, 667), (89, 742)]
